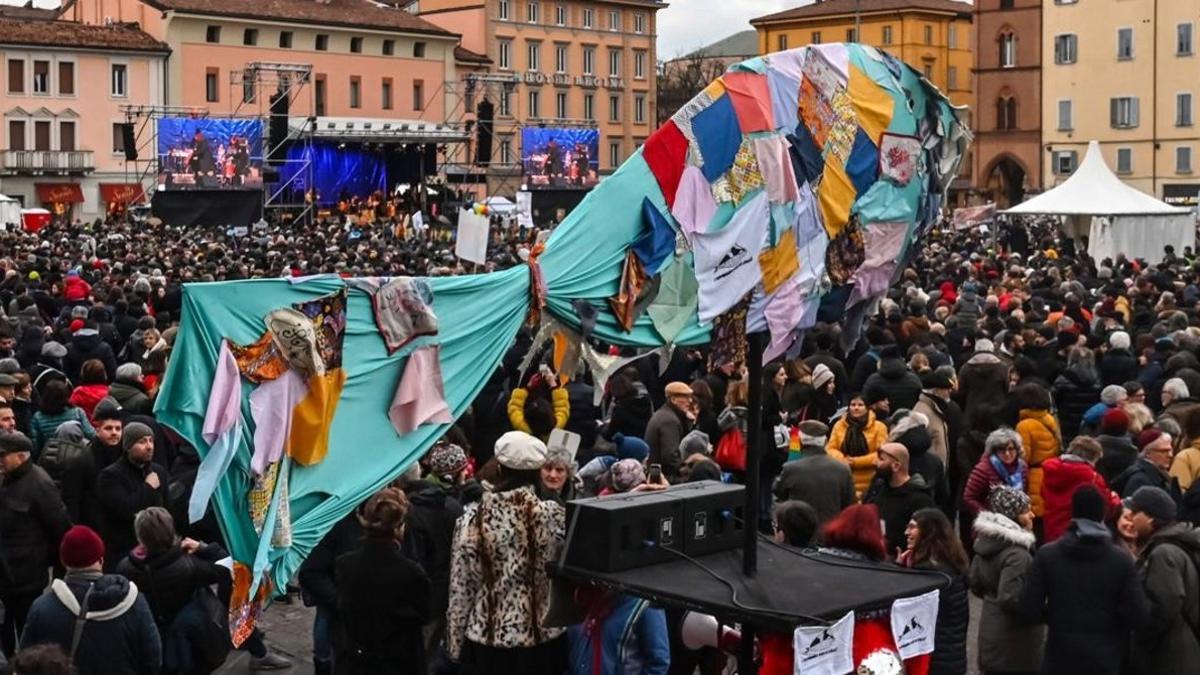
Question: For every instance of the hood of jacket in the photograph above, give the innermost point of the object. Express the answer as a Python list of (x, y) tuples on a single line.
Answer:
[(1180, 361), (425, 493), (983, 359), (86, 340), (1077, 377), (893, 369), (994, 533), (1065, 472), (112, 594), (1180, 534), (1086, 539), (1042, 417)]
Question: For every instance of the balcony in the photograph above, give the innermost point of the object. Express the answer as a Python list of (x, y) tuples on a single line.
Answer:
[(41, 162)]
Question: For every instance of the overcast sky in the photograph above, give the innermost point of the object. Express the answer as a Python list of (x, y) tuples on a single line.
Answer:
[(687, 25)]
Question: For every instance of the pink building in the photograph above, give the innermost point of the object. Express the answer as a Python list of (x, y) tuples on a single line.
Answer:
[(64, 84)]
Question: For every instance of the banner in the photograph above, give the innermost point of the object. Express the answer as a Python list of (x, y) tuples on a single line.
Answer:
[(209, 154), (825, 650), (472, 239), (525, 209), (555, 157), (914, 623), (974, 215)]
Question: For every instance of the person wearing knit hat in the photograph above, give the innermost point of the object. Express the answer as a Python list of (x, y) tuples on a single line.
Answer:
[(626, 474), (128, 485), (446, 461), (821, 376), (630, 447), (1003, 547), (119, 636)]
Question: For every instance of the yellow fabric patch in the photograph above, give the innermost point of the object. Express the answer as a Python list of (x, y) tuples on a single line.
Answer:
[(308, 442), (873, 105), (715, 89), (780, 263), (837, 195)]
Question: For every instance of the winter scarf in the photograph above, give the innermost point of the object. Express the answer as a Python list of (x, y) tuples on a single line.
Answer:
[(1010, 478), (855, 443)]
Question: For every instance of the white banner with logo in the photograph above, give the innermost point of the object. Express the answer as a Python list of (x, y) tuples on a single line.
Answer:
[(472, 239), (825, 650), (525, 209), (914, 622)]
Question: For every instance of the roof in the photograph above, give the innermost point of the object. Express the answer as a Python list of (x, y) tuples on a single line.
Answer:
[(744, 43), (350, 13), (68, 34), (27, 11), (1093, 190), (461, 53), (834, 7)]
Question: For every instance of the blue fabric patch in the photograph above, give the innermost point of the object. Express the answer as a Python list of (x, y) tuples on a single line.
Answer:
[(863, 164), (719, 136), (785, 99), (806, 156), (656, 244)]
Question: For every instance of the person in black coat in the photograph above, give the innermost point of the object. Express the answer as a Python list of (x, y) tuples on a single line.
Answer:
[(910, 429), (1087, 592), (894, 382), (631, 407), (319, 589), (1118, 365), (896, 493), (932, 545), (383, 597), (85, 345), (1076, 390), (132, 483), (33, 519)]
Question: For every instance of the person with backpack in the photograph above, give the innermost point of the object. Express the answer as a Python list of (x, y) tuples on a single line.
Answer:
[(32, 521), (68, 460), (101, 620), (1168, 641)]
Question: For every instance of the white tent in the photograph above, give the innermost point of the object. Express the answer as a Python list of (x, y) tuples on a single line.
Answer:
[(10, 213), (1115, 217)]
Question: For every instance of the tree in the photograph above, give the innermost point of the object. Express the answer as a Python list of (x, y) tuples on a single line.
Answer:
[(680, 79)]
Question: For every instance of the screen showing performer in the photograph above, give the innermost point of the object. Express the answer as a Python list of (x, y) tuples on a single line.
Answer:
[(556, 157), (209, 154)]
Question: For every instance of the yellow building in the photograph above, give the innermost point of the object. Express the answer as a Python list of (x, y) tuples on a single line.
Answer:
[(1125, 73), (933, 36)]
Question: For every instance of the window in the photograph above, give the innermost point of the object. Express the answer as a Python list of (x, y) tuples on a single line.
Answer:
[(385, 94), (535, 103), (1183, 109), (534, 62), (639, 23), (614, 63), (505, 54), (816, 37), (212, 34), (418, 94), (639, 64), (505, 107), (319, 94), (212, 92), (66, 136), (1124, 44), (614, 20), (781, 42), (66, 78), (418, 50), (1006, 4), (1183, 39), (1064, 162), (285, 39), (250, 37), (1066, 48), (589, 18), (41, 77), (41, 135), (531, 12), (389, 48), (851, 35), (355, 91), (614, 154), (1123, 112), (120, 80), (614, 108), (589, 60), (322, 43), (1183, 159), (639, 108), (560, 58), (928, 35), (560, 105), (118, 138), (247, 90), (887, 35), (952, 36), (16, 76), (952, 77), (1008, 50), (1065, 115), (1006, 113), (560, 15), (356, 44), (928, 70), (589, 106), (506, 153), (1124, 160), (16, 134), (503, 11)]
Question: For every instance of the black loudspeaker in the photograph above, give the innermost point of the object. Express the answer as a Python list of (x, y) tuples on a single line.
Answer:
[(277, 128), (621, 532), (270, 175), (129, 142), (484, 129)]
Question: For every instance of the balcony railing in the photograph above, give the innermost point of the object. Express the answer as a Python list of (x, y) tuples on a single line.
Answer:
[(46, 161)]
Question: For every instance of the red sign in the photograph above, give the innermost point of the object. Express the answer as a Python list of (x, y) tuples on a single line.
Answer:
[(121, 194), (59, 193)]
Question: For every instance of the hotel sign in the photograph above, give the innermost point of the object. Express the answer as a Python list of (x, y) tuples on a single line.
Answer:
[(564, 80)]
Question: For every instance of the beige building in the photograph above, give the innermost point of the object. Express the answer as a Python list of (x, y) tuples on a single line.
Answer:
[(1125, 73)]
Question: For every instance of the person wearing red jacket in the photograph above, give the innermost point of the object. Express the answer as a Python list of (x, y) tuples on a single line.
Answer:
[(1064, 474), (75, 289)]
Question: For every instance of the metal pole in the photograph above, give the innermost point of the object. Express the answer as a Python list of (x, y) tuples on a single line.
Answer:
[(858, 20), (754, 354)]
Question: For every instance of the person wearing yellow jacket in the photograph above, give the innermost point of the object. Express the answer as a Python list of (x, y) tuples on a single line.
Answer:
[(1186, 465), (855, 439), (1041, 438), (539, 419)]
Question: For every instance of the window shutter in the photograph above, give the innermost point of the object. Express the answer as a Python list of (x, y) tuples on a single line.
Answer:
[(1133, 112), (1113, 111)]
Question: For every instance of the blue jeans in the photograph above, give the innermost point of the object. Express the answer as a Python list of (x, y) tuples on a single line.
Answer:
[(323, 635)]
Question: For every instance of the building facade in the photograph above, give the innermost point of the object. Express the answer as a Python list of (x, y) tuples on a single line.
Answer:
[(61, 146), (1008, 158), (1124, 73), (579, 63)]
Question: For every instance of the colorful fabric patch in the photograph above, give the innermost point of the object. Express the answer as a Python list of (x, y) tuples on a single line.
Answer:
[(783, 312), (726, 260), (841, 134), (806, 156), (717, 134), (665, 153), (296, 337), (779, 264), (785, 97), (845, 254), (308, 443), (898, 156), (657, 242), (751, 101), (328, 314), (260, 361), (837, 197), (816, 112), (745, 176), (790, 63), (729, 344), (677, 296), (820, 71), (776, 166), (245, 611), (420, 396), (633, 281), (863, 164), (722, 193), (873, 106), (683, 119), (403, 311), (882, 244), (694, 203)]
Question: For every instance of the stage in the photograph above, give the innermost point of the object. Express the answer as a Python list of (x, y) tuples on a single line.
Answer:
[(208, 207)]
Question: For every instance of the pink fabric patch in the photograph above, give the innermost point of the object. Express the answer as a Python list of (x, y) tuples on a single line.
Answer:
[(665, 153), (751, 101), (421, 397), (784, 310), (694, 203), (775, 164)]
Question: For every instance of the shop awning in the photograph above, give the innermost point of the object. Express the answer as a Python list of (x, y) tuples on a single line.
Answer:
[(122, 193), (59, 193)]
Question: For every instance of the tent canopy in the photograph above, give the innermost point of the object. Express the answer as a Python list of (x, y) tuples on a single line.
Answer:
[(1093, 190)]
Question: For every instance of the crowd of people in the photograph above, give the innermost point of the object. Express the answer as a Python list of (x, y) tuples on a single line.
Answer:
[(1016, 416)]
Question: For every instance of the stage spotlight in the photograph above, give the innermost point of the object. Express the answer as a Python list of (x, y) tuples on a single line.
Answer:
[(341, 146)]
